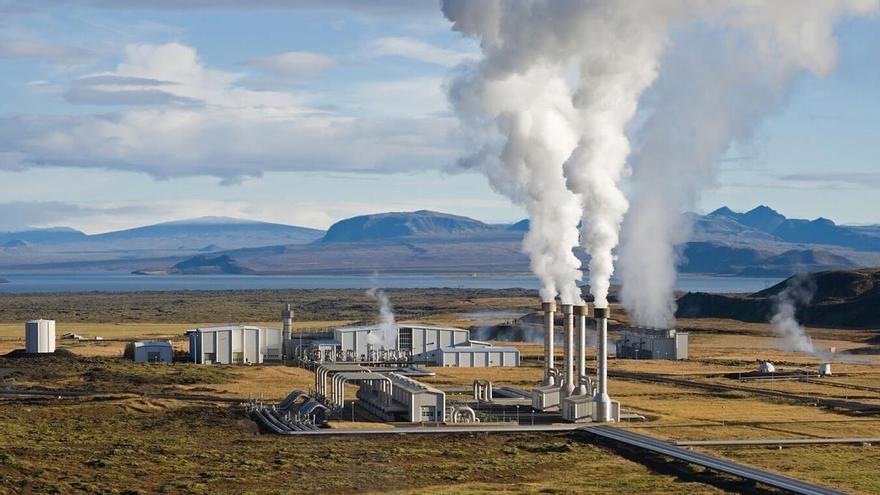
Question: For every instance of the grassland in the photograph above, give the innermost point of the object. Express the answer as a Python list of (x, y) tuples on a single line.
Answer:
[(160, 446), (142, 431), (250, 305)]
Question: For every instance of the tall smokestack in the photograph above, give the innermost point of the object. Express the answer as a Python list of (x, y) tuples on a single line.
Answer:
[(580, 311), (568, 385), (602, 400), (286, 329), (549, 309)]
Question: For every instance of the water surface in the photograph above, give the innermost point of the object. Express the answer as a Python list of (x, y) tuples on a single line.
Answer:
[(126, 282)]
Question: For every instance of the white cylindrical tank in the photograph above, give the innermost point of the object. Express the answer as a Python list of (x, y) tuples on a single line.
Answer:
[(39, 336), (766, 367), (825, 369)]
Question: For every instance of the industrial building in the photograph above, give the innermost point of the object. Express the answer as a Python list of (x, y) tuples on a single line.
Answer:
[(384, 392), (39, 336), (402, 399), (235, 344), (649, 343), (441, 346), (477, 355), (153, 351)]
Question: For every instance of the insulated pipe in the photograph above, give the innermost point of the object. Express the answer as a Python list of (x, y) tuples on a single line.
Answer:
[(568, 361), (580, 312), (602, 400), (549, 309)]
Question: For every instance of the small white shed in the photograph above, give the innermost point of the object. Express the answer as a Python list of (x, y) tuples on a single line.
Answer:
[(153, 351)]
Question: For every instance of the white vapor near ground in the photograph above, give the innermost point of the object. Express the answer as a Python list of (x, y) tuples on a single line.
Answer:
[(793, 337), (387, 338)]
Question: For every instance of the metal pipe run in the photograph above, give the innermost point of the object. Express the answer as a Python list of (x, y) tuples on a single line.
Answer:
[(549, 309), (568, 361), (580, 312), (602, 400)]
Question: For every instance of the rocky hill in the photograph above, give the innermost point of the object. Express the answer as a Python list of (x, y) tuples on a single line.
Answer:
[(395, 225), (841, 299)]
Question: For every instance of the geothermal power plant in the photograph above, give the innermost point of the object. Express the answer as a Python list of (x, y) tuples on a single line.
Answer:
[(577, 396)]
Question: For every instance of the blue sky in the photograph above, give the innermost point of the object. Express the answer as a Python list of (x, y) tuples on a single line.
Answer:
[(120, 113)]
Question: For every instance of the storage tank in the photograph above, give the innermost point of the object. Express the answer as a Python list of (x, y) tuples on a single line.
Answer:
[(39, 336), (825, 369)]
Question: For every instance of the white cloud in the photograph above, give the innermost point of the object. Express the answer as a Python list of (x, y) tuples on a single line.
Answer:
[(293, 64), (417, 50), (22, 215), (224, 130), (10, 48)]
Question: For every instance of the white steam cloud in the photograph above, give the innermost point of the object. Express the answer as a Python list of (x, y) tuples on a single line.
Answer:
[(719, 79), (549, 104), (387, 335), (793, 337), (530, 115), (558, 83)]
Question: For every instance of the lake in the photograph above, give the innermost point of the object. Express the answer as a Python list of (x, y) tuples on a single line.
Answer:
[(126, 282)]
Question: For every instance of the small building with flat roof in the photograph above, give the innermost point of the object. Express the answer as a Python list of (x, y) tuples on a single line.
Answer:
[(153, 351)]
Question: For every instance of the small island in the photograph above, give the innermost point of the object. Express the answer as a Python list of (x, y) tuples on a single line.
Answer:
[(3, 280)]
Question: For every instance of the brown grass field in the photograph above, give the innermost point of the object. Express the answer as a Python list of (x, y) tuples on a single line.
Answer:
[(122, 441)]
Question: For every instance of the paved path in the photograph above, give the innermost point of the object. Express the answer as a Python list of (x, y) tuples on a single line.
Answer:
[(782, 441), (765, 477)]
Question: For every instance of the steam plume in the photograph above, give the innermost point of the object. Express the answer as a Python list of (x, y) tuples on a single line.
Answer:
[(387, 337), (799, 291), (719, 79), (549, 104), (519, 108)]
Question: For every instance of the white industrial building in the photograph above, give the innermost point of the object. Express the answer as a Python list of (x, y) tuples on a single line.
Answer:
[(478, 356), (39, 336), (442, 346), (153, 351), (649, 343), (408, 400), (235, 344)]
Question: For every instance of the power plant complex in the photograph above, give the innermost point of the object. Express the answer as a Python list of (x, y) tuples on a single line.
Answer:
[(385, 361)]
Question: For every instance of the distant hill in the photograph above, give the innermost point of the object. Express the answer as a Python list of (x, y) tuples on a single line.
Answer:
[(43, 236), (521, 226), (384, 226), (819, 231), (721, 259), (207, 264), (724, 242), (199, 234), (842, 299), (216, 232)]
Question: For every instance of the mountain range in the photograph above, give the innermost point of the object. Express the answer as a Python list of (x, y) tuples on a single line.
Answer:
[(760, 242)]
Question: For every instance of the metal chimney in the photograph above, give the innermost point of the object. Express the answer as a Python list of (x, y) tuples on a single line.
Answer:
[(602, 400), (549, 309), (580, 312), (568, 326), (286, 328)]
